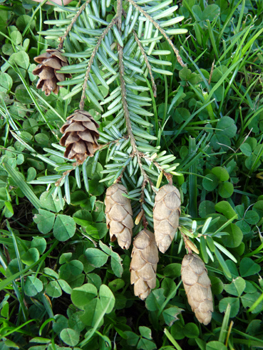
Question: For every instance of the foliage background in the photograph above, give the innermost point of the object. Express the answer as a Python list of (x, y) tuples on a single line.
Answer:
[(62, 285)]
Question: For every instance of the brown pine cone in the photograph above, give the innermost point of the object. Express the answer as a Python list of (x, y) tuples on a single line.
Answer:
[(119, 215), (80, 136), (166, 213), (49, 63), (197, 286), (144, 264)]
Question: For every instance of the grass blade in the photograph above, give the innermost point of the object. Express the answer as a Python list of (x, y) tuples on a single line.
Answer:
[(223, 331), (19, 181)]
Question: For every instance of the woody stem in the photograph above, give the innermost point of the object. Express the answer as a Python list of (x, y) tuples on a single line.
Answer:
[(104, 33), (136, 153), (73, 21), (157, 26)]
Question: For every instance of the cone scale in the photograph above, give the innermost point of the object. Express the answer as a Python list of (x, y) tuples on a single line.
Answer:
[(80, 136), (197, 286), (119, 215), (50, 63), (166, 213), (144, 264)]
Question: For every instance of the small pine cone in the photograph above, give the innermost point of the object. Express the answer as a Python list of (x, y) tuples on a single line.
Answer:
[(144, 263), (166, 213), (49, 63), (80, 136), (119, 215), (197, 286)]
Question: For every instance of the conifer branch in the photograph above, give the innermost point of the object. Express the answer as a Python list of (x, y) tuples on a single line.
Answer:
[(147, 63), (157, 26), (136, 153), (99, 148), (120, 176), (104, 145), (168, 176), (104, 33), (73, 21), (145, 58), (119, 13)]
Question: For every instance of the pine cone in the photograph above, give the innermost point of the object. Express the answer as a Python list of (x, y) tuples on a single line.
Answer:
[(80, 136), (197, 286), (119, 215), (166, 213), (144, 263), (49, 63)]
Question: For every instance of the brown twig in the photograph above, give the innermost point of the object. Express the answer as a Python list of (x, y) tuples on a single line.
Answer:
[(119, 14), (105, 32), (147, 63), (141, 215), (135, 153), (157, 26), (100, 147), (168, 176), (58, 182), (120, 176), (73, 21), (145, 58)]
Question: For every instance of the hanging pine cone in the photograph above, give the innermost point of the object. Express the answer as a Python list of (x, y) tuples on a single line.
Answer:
[(197, 286), (49, 63), (144, 263), (166, 213), (80, 136), (119, 215)]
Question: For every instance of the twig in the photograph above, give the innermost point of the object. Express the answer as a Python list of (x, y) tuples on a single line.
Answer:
[(58, 182), (141, 215), (105, 32), (60, 46), (100, 147), (120, 176), (157, 26), (145, 58), (136, 153), (168, 176), (147, 63), (119, 13)]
